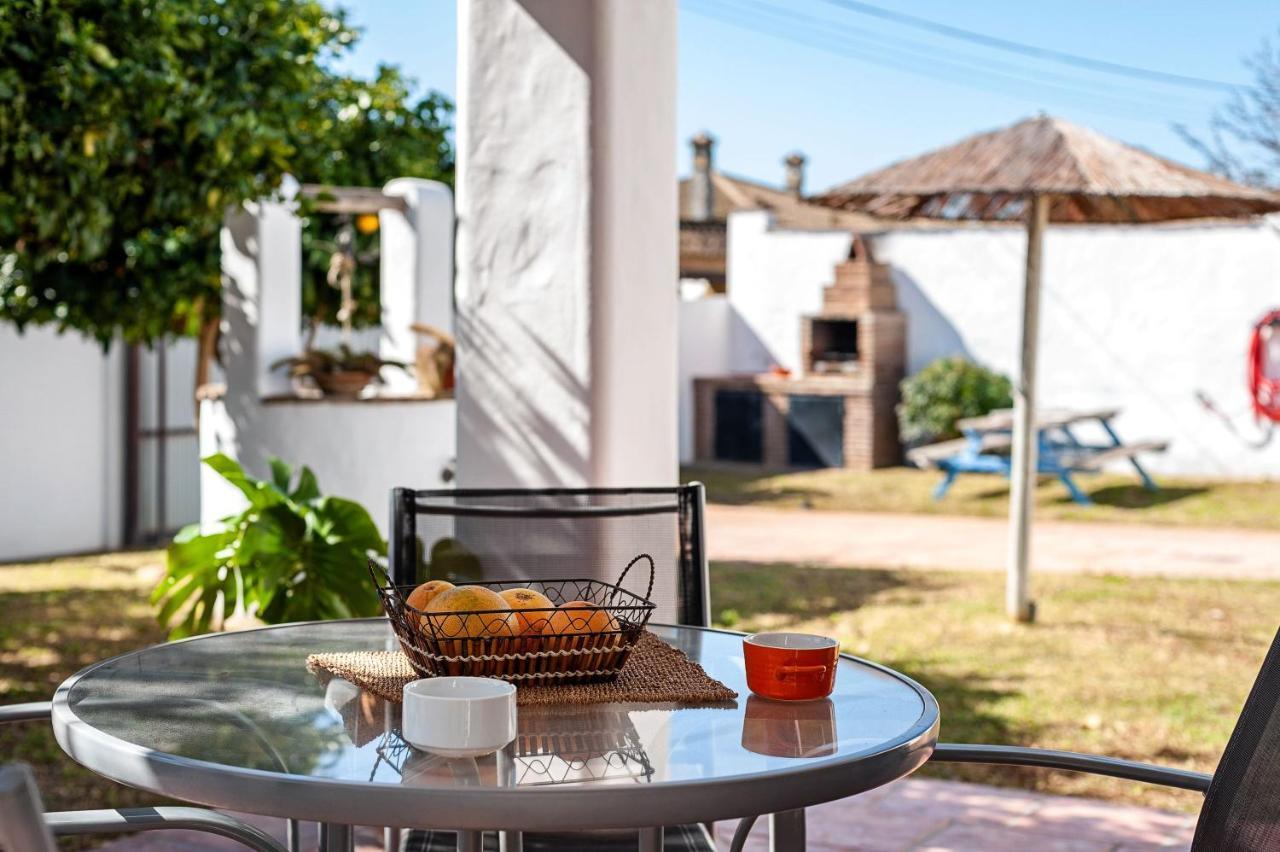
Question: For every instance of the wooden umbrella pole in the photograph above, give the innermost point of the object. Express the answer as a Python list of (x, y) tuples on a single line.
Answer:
[(1022, 477)]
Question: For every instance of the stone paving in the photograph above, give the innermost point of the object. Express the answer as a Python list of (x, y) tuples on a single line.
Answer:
[(886, 540), (920, 815)]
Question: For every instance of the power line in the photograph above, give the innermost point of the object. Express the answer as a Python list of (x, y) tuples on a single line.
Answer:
[(1050, 54), (926, 66), (918, 51)]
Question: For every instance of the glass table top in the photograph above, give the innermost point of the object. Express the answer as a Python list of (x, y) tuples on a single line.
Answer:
[(246, 700)]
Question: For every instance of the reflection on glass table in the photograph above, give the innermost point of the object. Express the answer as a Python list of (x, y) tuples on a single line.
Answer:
[(236, 721), (789, 728), (556, 745)]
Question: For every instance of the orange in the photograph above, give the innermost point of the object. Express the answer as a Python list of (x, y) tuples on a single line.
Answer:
[(528, 599), (422, 596), (469, 599), (579, 617)]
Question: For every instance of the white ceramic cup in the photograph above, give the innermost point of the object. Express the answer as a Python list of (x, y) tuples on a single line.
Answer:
[(459, 716)]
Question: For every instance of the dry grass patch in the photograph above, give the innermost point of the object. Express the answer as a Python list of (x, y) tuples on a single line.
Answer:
[(57, 617), (1146, 669), (1118, 497)]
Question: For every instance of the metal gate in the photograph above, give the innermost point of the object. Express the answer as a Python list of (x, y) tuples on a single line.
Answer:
[(162, 447)]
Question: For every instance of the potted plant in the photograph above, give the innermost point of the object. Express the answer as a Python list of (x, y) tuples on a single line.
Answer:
[(340, 372)]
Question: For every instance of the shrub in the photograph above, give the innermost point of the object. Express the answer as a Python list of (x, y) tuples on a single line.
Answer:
[(945, 391), (291, 555)]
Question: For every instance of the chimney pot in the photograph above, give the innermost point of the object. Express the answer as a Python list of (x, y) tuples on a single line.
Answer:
[(795, 173), (701, 192)]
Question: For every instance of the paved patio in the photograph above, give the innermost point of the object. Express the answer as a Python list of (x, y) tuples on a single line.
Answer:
[(915, 814), (887, 540)]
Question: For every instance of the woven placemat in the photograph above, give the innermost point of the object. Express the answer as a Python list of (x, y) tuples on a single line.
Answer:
[(655, 672)]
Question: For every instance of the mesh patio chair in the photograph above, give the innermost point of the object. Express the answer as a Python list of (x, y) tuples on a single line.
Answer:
[(535, 534), (25, 827), (1241, 811), (497, 534)]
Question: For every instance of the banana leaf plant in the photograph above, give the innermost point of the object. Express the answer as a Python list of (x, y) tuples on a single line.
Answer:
[(291, 555)]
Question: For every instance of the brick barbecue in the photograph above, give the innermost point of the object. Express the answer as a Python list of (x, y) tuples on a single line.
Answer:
[(839, 410)]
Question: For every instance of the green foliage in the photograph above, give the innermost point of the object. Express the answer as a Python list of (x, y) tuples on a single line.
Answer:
[(291, 555), (129, 126), (945, 391), (373, 133)]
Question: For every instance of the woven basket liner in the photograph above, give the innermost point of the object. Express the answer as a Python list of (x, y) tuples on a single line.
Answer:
[(655, 672)]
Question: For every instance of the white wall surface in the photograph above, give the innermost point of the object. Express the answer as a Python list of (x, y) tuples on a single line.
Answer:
[(566, 296), (61, 444), (775, 277), (1140, 318), (358, 450), (704, 351)]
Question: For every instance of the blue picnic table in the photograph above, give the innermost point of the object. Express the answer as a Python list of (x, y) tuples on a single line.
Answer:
[(987, 441)]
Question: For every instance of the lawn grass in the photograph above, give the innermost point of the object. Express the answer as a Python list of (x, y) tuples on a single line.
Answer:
[(57, 617), (1117, 497), (1146, 669), (1143, 668)]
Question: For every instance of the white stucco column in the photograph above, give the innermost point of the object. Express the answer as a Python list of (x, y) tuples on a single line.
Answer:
[(567, 242), (262, 259), (416, 270)]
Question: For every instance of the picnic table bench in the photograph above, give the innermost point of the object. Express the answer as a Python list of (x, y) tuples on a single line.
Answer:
[(987, 441)]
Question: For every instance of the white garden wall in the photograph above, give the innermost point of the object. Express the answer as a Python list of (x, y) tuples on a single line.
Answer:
[(358, 450), (1136, 317), (61, 444)]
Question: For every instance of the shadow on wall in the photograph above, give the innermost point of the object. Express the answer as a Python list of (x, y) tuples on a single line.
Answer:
[(505, 415), (747, 352), (930, 335)]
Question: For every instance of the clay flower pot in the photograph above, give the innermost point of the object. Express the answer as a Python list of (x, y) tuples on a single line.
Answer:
[(344, 384)]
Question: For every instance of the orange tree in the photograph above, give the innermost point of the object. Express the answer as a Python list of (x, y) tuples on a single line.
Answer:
[(128, 127)]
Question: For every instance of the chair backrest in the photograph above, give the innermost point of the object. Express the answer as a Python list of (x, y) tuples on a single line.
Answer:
[(1241, 810), (22, 826), (591, 533)]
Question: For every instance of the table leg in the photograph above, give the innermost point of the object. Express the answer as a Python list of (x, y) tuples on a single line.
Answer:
[(390, 840), (510, 841), (470, 841), (651, 839), (292, 841), (786, 831), (336, 838)]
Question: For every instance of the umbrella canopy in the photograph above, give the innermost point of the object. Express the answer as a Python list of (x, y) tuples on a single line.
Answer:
[(1042, 170), (1091, 178)]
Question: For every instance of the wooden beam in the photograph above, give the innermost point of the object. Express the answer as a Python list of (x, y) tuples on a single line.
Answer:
[(351, 199)]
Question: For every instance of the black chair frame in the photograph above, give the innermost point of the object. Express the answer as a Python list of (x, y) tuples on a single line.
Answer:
[(688, 503)]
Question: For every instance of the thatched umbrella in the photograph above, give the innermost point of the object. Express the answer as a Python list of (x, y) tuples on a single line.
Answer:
[(1042, 170)]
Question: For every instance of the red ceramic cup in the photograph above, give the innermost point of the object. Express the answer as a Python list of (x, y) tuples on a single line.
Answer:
[(791, 666)]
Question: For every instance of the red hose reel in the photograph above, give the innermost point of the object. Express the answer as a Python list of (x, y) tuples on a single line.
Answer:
[(1264, 368)]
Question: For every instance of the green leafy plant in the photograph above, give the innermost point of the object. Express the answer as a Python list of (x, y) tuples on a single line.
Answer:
[(291, 555), (945, 391)]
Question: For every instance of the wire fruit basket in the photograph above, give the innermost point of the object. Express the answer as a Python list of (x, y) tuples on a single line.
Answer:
[(588, 643)]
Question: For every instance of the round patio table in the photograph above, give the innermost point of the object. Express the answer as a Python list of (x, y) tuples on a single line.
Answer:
[(235, 721)]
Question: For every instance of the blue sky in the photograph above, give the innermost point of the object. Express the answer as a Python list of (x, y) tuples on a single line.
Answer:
[(767, 85)]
